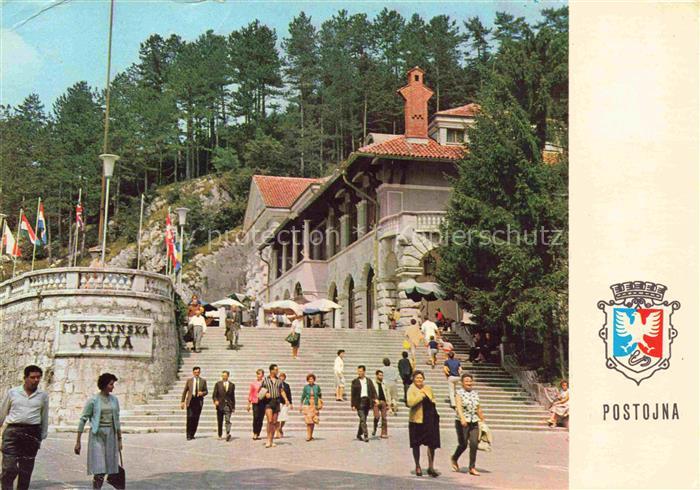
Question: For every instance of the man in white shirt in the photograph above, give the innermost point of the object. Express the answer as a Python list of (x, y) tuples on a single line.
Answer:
[(199, 328), (429, 329), (26, 411), (362, 397), (338, 369)]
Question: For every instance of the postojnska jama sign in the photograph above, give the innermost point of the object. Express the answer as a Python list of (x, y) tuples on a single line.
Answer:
[(104, 336)]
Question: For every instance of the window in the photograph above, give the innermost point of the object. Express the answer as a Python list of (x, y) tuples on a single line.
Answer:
[(455, 135)]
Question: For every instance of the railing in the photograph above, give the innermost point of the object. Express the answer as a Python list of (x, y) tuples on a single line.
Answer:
[(69, 280), (429, 222), (418, 221)]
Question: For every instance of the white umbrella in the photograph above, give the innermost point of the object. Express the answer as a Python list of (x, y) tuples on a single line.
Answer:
[(228, 302), (283, 307), (322, 305)]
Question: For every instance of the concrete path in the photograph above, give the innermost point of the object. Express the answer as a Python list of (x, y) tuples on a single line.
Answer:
[(334, 460)]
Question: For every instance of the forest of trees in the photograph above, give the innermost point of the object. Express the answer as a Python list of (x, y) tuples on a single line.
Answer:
[(249, 102)]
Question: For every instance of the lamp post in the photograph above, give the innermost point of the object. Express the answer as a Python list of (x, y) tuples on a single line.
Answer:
[(181, 221), (108, 161)]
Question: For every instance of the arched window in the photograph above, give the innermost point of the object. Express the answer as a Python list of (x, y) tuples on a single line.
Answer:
[(298, 291)]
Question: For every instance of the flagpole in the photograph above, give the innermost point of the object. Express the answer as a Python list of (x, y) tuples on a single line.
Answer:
[(14, 259), (48, 234), (2, 245), (36, 237), (77, 228), (168, 260), (138, 240)]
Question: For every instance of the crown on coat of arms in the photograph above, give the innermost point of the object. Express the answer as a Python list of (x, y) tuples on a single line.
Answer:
[(638, 289)]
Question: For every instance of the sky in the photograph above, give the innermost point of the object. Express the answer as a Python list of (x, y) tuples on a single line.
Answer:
[(67, 42)]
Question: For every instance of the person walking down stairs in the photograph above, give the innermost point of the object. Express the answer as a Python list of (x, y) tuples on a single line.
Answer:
[(193, 399), (256, 404), (225, 402), (363, 395), (338, 368)]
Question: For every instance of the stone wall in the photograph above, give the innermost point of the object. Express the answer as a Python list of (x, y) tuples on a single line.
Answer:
[(31, 306)]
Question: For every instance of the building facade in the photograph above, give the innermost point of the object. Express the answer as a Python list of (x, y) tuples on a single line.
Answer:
[(357, 235)]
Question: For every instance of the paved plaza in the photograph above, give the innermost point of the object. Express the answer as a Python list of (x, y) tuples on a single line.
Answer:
[(520, 459)]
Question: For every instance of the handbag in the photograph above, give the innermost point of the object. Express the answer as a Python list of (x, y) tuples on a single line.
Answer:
[(118, 480), (406, 345), (292, 337), (188, 337)]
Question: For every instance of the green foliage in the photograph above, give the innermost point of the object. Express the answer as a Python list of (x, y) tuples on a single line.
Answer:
[(224, 159), (507, 222), (243, 103)]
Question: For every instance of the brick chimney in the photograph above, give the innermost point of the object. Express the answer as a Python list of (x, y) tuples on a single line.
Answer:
[(416, 96)]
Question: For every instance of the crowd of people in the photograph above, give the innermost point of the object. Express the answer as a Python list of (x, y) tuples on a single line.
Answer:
[(24, 409)]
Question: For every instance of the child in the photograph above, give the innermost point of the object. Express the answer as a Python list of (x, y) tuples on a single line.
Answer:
[(433, 349), (447, 347)]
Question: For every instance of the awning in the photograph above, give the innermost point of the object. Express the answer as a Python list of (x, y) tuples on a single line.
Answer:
[(417, 291), (320, 306)]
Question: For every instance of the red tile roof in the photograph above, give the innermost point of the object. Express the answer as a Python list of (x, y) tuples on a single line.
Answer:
[(399, 146), (469, 110), (281, 192)]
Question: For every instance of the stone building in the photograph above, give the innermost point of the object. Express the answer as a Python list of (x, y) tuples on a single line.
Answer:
[(355, 236)]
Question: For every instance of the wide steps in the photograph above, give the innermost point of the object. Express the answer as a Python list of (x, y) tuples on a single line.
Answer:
[(506, 405)]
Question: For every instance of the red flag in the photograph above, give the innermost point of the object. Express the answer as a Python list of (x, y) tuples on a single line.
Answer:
[(79, 216), (170, 242)]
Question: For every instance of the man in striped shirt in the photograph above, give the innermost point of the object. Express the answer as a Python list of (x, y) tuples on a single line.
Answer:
[(272, 387)]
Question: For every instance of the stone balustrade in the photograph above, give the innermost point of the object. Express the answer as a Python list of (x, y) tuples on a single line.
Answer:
[(78, 322), (85, 280)]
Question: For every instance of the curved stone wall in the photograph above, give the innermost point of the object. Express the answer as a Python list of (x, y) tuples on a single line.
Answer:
[(76, 323)]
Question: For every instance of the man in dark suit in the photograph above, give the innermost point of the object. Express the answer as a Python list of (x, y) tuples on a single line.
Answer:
[(362, 397), (193, 399), (406, 373), (225, 403)]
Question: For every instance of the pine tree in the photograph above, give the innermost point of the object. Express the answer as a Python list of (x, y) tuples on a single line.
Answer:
[(504, 262)]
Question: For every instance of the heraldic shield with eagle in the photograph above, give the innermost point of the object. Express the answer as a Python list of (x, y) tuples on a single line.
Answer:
[(638, 332)]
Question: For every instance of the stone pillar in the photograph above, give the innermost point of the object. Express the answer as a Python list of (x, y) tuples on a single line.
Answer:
[(273, 264), (361, 307), (386, 300), (306, 250), (361, 218), (330, 242), (342, 313), (284, 258), (295, 247), (344, 231)]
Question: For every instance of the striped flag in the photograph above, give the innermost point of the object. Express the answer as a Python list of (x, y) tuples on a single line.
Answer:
[(41, 225), (27, 229), (9, 245)]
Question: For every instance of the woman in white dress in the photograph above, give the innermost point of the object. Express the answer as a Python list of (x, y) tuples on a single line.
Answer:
[(560, 407)]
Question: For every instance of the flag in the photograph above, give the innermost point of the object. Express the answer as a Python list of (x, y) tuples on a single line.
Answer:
[(9, 245), (41, 225), (27, 229), (178, 257), (79, 216), (170, 242)]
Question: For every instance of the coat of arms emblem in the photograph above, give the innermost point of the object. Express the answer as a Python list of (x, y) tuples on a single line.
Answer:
[(638, 332)]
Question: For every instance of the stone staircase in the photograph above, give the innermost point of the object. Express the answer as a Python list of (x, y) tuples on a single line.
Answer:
[(506, 405)]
